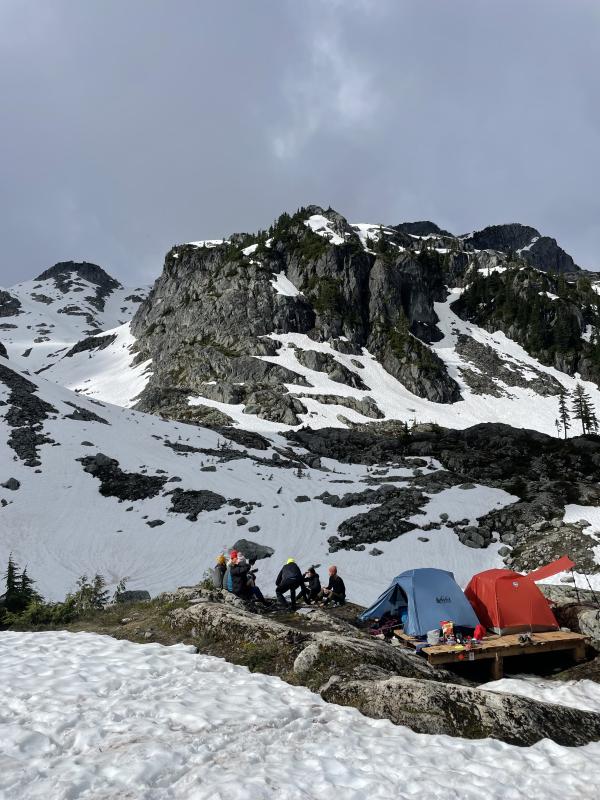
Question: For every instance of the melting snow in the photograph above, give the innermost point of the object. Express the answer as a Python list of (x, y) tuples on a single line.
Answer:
[(208, 242), (321, 225), (529, 246), (584, 694), (284, 286), (89, 716)]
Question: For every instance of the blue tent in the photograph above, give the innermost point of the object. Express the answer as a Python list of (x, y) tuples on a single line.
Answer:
[(428, 596)]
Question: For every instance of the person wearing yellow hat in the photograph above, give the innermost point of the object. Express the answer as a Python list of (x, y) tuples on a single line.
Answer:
[(219, 571), (289, 580)]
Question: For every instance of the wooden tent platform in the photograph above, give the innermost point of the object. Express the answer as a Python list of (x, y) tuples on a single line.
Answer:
[(496, 648)]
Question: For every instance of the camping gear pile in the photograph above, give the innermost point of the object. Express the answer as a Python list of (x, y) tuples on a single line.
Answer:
[(428, 604)]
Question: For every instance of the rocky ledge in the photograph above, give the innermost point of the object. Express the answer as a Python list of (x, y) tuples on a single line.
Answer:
[(324, 651)]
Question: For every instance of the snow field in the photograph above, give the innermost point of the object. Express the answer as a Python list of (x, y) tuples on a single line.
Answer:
[(63, 329), (60, 525), (107, 374), (90, 717), (519, 406)]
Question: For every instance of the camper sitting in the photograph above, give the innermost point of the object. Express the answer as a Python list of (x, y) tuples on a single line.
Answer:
[(313, 585), (335, 591)]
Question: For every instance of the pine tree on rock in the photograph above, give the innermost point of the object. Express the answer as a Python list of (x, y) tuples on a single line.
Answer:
[(564, 417), (583, 410)]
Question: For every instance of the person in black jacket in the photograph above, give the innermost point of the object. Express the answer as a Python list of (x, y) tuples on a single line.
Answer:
[(335, 591), (313, 584), (219, 572), (288, 580), (239, 570)]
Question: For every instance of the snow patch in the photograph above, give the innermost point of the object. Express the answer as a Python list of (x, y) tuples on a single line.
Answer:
[(90, 716), (283, 285), (584, 694), (322, 226)]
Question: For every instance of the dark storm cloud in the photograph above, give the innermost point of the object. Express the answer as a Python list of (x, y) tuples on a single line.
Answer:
[(130, 126)]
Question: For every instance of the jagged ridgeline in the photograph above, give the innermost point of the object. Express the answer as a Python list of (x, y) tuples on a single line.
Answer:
[(212, 325)]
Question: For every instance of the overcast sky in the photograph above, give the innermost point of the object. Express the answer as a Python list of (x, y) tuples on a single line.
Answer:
[(131, 125)]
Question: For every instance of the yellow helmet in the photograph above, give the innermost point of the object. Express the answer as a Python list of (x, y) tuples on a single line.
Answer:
[(290, 561)]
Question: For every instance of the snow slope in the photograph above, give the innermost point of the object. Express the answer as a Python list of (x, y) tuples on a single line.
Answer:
[(107, 373), (110, 374), (59, 524), (518, 406), (51, 319), (88, 716)]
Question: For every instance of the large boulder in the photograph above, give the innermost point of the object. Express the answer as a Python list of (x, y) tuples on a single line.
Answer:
[(337, 654), (440, 708), (253, 550), (132, 596), (304, 650)]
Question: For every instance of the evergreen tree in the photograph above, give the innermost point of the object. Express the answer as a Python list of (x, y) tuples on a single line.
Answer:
[(583, 410), (561, 286), (593, 420), (12, 580), (19, 588), (383, 245), (564, 417), (26, 591)]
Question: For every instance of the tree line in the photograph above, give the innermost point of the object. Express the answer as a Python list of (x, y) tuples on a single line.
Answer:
[(581, 409), (22, 605)]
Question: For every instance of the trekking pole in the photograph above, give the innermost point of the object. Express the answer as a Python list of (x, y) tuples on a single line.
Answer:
[(591, 590), (575, 585)]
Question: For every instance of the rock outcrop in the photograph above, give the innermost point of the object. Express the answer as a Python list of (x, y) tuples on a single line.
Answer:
[(522, 462), (540, 251), (346, 666), (441, 708), (205, 323)]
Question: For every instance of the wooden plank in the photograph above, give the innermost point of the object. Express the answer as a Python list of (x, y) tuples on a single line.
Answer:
[(494, 643), (579, 652), (495, 647), (497, 667), (505, 651)]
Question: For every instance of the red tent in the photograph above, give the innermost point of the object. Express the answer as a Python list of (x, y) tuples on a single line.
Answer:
[(507, 602)]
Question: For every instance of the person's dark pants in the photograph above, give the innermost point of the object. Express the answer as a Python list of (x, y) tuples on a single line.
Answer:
[(257, 594), (290, 586), (333, 597)]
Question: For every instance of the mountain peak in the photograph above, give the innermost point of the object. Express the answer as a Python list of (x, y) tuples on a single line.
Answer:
[(422, 228), (84, 269)]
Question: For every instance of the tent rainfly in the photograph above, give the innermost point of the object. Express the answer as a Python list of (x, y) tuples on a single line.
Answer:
[(508, 602), (427, 596)]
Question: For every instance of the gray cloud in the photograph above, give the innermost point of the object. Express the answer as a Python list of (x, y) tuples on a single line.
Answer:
[(128, 127)]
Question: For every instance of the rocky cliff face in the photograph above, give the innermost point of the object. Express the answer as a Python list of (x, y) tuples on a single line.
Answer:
[(207, 321), (557, 321), (212, 324), (540, 251)]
